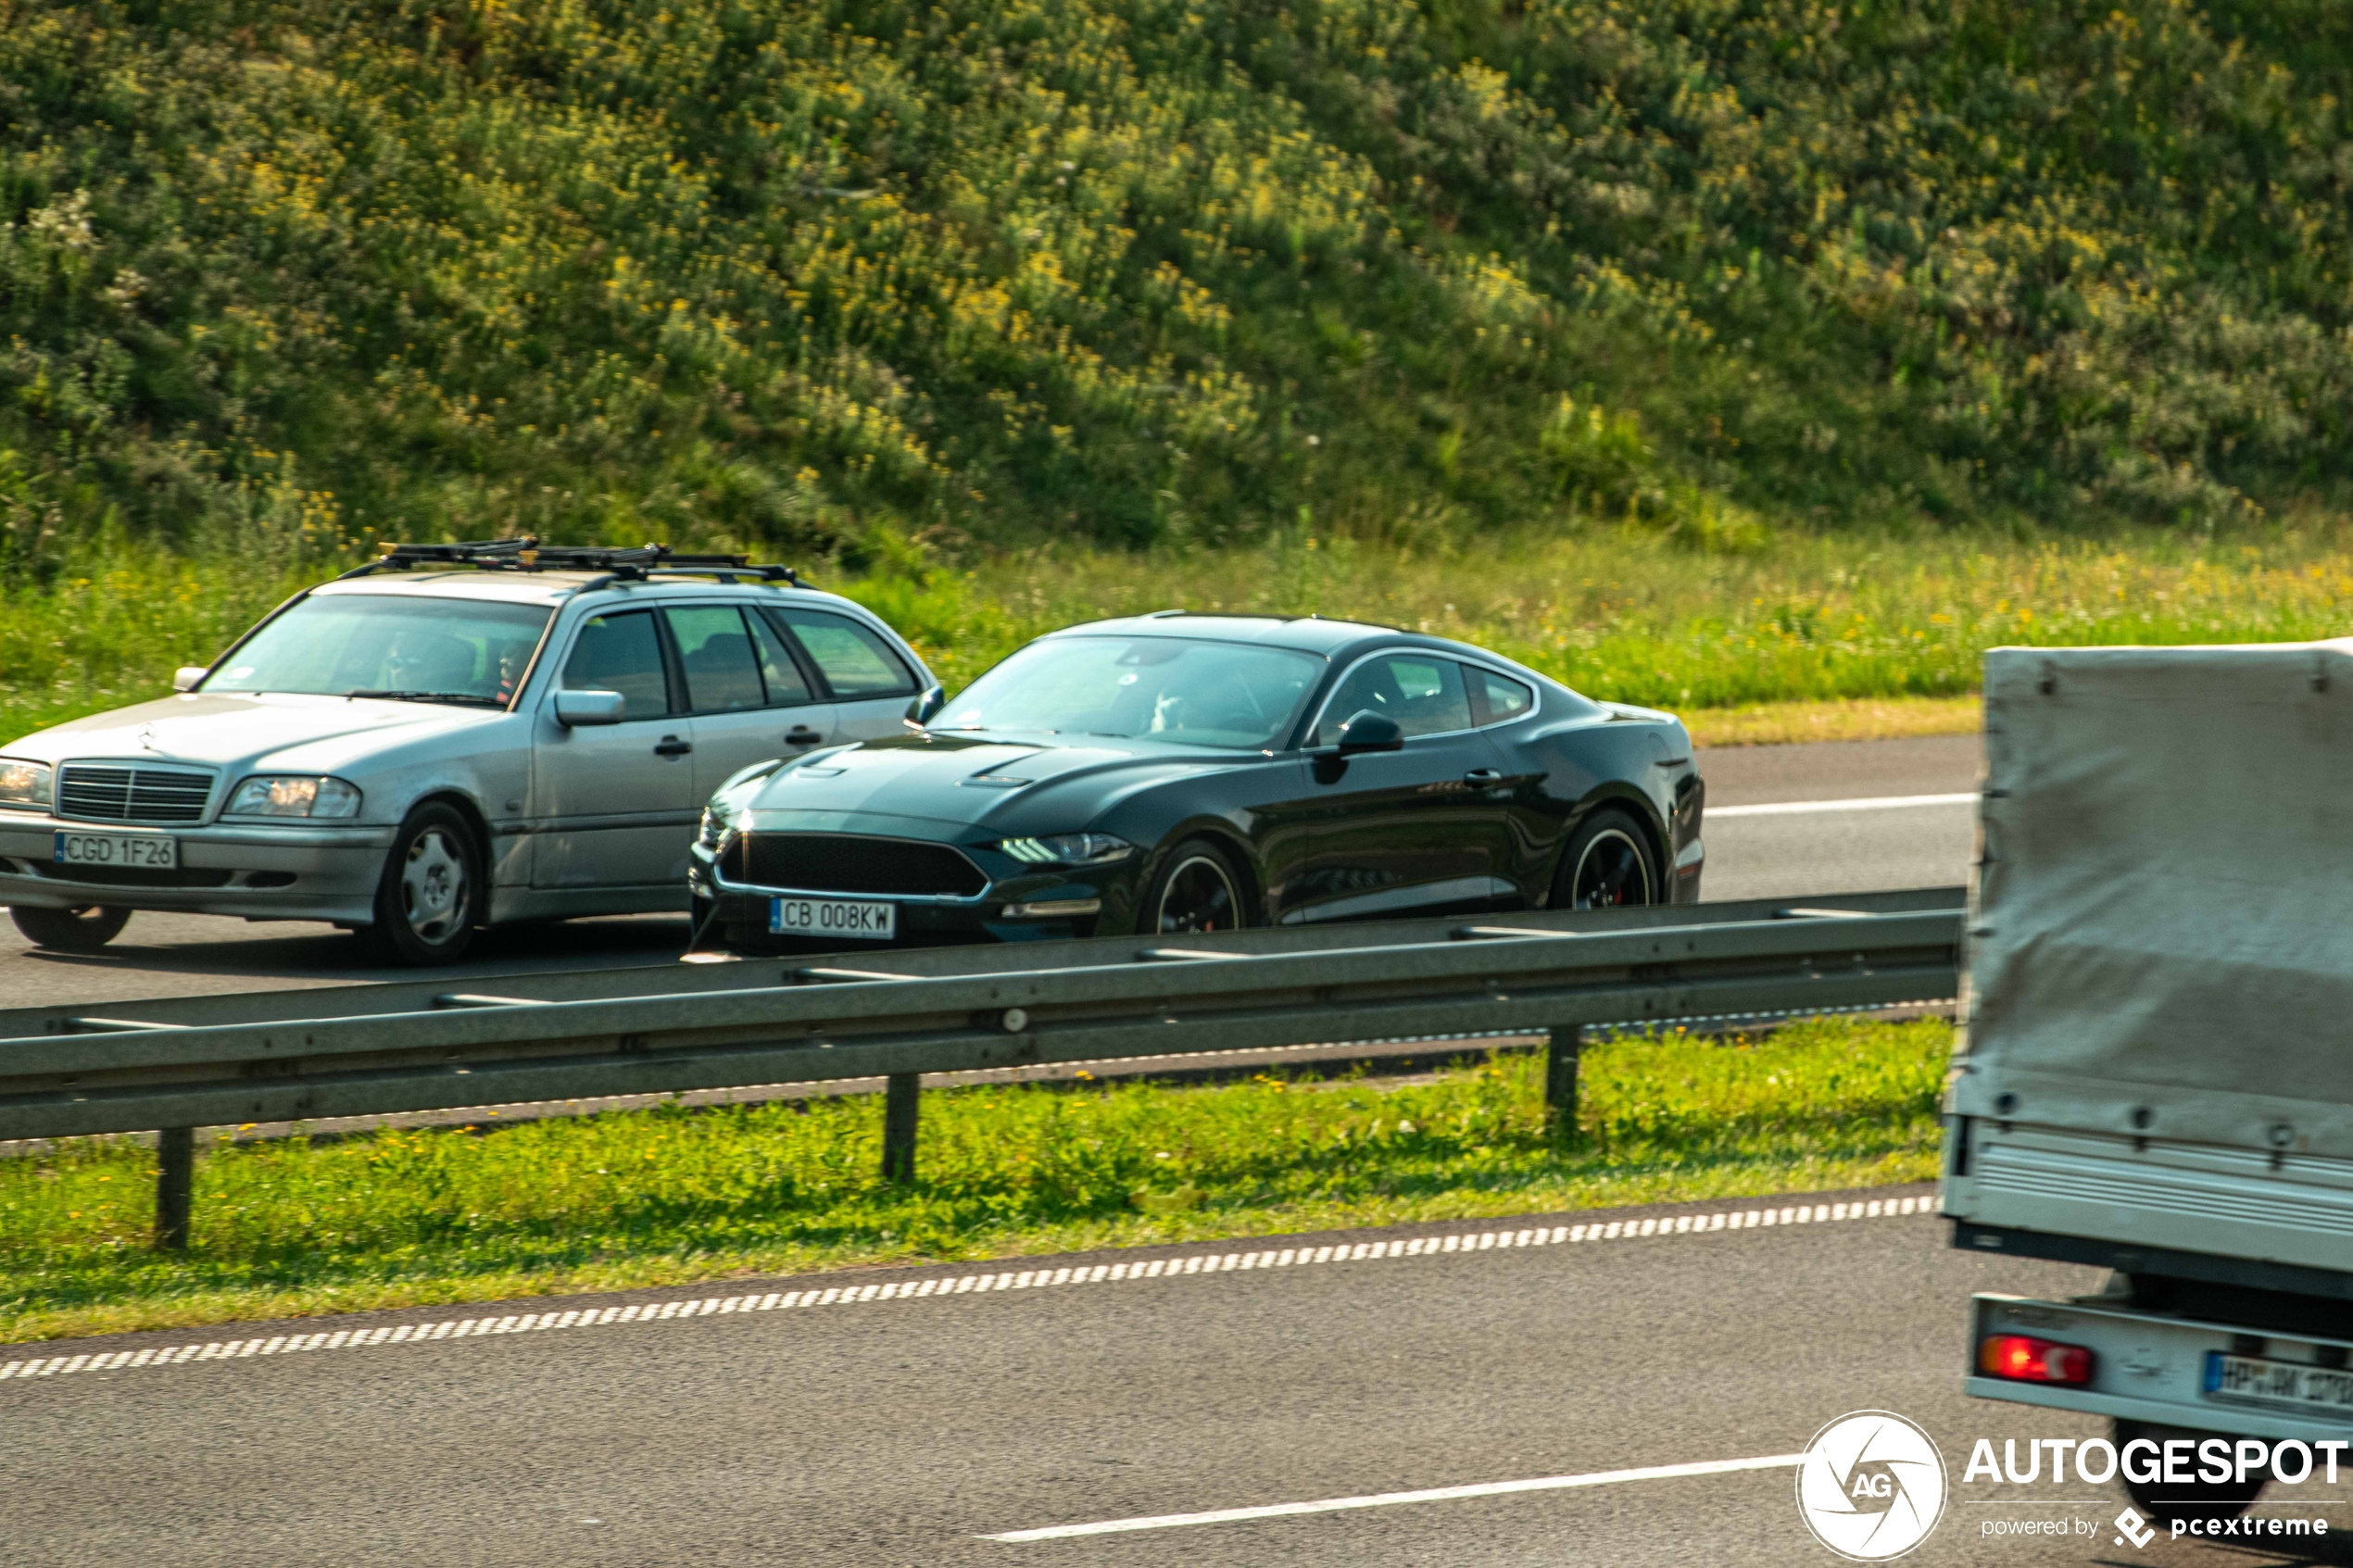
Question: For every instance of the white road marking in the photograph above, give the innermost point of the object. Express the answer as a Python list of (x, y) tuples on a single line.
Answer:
[(1866, 802), (1391, 1500), (971, 1284)]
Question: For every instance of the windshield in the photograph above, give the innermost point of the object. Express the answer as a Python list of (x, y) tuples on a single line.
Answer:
[(1167, 688), (390, 644)]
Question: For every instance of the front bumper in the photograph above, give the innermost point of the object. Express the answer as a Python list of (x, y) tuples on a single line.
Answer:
[(258, 871), (1022, 904)]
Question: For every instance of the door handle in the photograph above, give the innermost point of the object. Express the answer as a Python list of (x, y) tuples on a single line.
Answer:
[(1482, 778), (801, 734), (673, 746)]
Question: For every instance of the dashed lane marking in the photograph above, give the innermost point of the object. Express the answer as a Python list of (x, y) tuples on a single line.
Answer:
[(1391, 1500), (963, 1285), (1864, 803)]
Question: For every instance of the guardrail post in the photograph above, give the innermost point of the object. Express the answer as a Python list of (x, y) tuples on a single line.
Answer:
[(901, 1102), (1560, 1081), (175, 1187)]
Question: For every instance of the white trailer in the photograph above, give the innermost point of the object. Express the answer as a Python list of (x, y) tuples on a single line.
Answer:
[(2155, 1073)]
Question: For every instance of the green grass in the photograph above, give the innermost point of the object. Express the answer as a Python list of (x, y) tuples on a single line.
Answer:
[(1702, 355), (1131, 271), (1618, 614), (666, 1197)]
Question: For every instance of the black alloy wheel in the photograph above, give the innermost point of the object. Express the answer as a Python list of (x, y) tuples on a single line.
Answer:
[(82, 930), (1607, 865), (1197, 891)]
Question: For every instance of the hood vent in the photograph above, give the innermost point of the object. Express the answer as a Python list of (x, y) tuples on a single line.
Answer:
[(125, 792)]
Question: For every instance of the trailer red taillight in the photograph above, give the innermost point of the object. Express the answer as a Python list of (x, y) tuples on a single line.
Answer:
[(2024, 1360)]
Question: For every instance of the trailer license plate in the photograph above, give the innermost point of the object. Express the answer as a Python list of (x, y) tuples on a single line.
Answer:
[(833, 917), (146, 851), (2295, 1386)]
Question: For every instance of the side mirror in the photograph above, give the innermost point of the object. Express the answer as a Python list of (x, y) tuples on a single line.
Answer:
[(1369, 731), (575, 708), (184, 679), (924, 709)]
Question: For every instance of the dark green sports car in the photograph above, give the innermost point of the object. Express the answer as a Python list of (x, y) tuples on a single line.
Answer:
[(1175, 774)]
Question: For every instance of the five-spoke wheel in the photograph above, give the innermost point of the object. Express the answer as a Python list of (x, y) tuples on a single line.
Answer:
[(1195, 891), (1607, 865)]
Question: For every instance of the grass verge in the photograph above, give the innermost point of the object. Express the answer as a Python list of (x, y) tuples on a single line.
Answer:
[(1805, 637), (669, 1197), (1795, 723)]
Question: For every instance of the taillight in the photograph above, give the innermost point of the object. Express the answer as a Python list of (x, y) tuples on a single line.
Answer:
[(2024, 1360)]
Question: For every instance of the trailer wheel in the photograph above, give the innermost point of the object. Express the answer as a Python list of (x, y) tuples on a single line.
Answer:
[(2164, 1502)]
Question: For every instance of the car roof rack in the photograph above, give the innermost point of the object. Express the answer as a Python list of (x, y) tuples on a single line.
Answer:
[(618, 564)]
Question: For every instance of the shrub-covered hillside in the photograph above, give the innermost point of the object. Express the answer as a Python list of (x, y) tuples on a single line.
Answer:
[(293, 270)]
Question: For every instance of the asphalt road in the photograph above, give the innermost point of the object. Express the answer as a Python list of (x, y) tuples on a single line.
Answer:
[(1830, 848), (908, 1431), (1851, 837)]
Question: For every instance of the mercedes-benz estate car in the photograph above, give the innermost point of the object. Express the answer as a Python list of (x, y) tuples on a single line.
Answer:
[(1171, 774), (456, 737)]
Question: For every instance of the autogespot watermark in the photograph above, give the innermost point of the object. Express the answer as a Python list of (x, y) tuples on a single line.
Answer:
[(2152, 1465), (1872, 1485)]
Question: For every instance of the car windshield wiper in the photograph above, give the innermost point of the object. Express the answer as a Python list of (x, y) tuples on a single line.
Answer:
[(472, 699)]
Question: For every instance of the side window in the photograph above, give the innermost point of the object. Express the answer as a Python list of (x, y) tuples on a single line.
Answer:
[(723, 672), (1423, 693), (787, 686), (622, 653), (1500, 697), (854, 661)]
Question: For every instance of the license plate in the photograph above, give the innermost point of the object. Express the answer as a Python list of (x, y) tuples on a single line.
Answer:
[(146, 851), (833, 917), (2293, 1386)]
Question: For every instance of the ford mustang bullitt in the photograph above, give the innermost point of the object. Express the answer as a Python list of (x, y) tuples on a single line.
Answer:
[(1172, 772)]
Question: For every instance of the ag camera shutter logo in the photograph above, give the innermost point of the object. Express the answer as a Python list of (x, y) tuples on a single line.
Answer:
[(1871, 1486)]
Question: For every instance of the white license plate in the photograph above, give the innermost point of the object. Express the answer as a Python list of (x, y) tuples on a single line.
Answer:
[(833, 917), (2298, 1386), (146, 851)]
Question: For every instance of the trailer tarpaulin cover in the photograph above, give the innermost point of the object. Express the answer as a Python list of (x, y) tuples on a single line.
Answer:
[(2161, 930)]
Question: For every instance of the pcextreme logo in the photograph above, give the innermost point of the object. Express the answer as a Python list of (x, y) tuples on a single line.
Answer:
[(1871, 1486)]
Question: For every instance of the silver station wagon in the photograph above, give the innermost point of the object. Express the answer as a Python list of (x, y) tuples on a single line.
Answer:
[(455, 736)]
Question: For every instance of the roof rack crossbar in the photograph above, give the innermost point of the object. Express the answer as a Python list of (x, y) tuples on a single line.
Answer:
[(621, 563)]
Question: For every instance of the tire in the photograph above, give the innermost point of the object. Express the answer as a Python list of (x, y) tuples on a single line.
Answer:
[(1197, 891), (1607, 864), (2164, 1502), (82, 930), (431, 896)]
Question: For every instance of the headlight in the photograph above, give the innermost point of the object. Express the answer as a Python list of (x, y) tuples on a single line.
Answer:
[(727, 806), (1068, 849), (280, 794), (23, 786)]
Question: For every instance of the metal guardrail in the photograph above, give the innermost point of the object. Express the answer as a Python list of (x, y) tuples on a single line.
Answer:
[(188, 1062)]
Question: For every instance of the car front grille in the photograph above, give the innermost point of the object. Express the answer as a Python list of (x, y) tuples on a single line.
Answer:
[(126, 792), (848, 862)]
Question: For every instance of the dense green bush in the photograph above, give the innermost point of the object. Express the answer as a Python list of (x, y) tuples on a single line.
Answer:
[(277, 274)]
